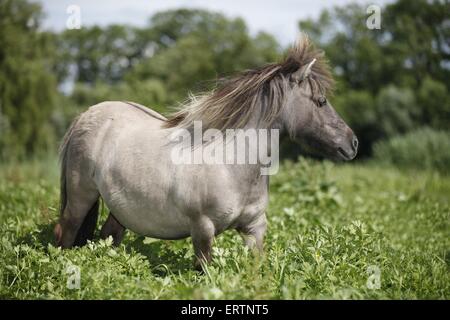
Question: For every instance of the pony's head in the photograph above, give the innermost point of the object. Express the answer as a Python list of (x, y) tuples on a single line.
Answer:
[(307, 115)]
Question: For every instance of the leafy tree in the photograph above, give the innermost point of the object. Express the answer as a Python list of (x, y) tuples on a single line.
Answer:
[(433, 96), (352, 48), (179, 51), (194, 46), (417, 34), (27, 88), (397, 111), (96, 54)]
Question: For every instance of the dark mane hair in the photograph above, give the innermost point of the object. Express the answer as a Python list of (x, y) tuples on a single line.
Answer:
[(236, 99)]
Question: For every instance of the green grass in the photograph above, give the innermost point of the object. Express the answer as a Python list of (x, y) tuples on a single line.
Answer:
[(328, 226)]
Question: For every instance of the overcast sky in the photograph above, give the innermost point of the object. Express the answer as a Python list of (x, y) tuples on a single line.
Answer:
[(278, 17)]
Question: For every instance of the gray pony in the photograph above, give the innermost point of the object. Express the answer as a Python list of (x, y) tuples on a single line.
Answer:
[(121, 152)]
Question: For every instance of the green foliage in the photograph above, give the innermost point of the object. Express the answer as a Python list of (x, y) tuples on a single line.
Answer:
[(179, 51), (196, 46), (96, 54), (151, 93), (27, 87), (180, 67), (433, 95), (418, 43), (397, 111), (311, 188), (328, 225), (409, 46), (424, 149)]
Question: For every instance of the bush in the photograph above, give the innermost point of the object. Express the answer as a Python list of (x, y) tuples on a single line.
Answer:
[(435, 102), (424, 148), (397, 111)]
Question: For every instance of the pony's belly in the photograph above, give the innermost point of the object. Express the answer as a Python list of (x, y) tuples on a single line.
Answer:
[(154, 224), (144, 208)]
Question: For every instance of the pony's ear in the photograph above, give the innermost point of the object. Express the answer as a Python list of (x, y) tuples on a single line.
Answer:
[(302, 73)]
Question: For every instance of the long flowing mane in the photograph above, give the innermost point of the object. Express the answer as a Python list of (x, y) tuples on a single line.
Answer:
[(235, 100)]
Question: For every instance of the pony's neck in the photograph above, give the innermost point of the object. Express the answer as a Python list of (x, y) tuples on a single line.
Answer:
[(262, 144)]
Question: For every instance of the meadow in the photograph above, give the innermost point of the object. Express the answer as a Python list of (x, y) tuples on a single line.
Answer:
[(353, 231)]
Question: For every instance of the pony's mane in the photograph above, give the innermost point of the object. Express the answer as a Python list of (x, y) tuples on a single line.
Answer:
[(234, 100)]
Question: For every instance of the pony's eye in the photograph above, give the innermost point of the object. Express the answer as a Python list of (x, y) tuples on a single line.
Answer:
[(322, 101)]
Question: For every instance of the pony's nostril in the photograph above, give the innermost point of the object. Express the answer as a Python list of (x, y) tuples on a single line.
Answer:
[(355, 143)]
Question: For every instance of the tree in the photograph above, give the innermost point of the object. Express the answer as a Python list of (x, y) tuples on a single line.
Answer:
[(397, 111), (433, 95), (195, 46), (419, 33), (94, 54), (27, 87)]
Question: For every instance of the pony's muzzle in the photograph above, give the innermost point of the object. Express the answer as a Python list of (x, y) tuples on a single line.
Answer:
[(355, 144), (349, 149)]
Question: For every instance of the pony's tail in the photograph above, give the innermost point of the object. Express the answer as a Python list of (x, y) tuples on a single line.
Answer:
[(63, 162)]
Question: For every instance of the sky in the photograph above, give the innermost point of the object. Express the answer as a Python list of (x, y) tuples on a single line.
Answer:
[(278, 17)]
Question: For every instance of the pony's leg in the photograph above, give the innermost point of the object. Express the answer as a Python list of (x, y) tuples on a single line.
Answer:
[(87, 228), (202, 233), (77, 221), (72, 220), (113, 228), (254, 232)]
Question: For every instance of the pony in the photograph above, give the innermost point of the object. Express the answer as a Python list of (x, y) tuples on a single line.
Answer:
[(121, 152)]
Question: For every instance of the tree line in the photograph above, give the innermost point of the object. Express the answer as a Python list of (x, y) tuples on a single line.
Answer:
[(390, 81)]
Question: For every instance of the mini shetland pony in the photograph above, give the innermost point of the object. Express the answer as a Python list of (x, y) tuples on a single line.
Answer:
[(122, 152)]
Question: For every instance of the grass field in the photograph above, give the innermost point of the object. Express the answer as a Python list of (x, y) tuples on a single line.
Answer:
[(334, 231)]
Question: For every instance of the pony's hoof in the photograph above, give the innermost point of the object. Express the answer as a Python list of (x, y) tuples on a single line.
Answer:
[(58, 234), (199, 266)]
